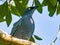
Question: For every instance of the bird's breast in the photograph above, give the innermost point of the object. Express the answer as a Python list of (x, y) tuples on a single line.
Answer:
[(29, 22), (25, 29)]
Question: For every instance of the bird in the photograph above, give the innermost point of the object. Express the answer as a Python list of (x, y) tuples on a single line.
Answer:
[(24, 27)]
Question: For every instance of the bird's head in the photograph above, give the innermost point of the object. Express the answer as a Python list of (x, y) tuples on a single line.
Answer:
[(30, 10)]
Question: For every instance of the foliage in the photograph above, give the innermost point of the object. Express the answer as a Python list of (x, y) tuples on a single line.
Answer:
[(7, 8), (37, 3), (36, 37)]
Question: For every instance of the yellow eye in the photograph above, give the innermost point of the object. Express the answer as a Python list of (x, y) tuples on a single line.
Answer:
[(29, 8)]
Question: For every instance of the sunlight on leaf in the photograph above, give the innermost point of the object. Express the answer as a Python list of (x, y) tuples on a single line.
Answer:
[(53, 2), (58, 9), (21, 5), (4, 11), (20, 1), (14, 11), (12, 3), (7, 13)]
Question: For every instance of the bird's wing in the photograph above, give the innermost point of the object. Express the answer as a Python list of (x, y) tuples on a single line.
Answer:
[(16, 25)]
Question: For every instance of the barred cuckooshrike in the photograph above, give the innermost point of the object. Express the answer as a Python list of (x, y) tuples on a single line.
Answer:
[(24, 27)]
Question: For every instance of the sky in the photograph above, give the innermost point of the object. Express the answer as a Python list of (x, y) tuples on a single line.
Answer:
[(45, 27)]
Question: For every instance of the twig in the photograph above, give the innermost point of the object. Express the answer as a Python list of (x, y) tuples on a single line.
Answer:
[(56, 37), (33, 3)]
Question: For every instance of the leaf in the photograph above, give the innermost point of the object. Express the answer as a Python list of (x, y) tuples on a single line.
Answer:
[(53, 2), (51, 9), (8, 18), (38, 38), (58, 9), (21, 5), (3, 9), (45, 2), (7, 14), (37, 3), (2, 19), (14, 11), (32, 39)]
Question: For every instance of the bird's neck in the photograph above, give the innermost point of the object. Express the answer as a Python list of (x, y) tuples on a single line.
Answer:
[(28, 15)]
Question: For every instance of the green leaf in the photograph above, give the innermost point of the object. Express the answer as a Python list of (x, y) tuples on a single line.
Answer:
[(38, 38), (51, 9), (6, 12), (37, 3), (8, 18), (3, 9), (21, 5), (45, 2), (58, 9), (2, 19), (53, 2), (14, 11), (32, 39)]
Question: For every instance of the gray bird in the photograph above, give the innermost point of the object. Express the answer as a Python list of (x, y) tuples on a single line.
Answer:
[(24, 27)]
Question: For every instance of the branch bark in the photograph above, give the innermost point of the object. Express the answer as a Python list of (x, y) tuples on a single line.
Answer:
[(6, 38)]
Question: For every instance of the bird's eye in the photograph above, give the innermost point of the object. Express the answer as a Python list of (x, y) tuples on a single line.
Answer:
[(29, 8)]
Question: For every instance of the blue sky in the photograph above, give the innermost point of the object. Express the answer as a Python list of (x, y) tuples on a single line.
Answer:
[(45, 27)]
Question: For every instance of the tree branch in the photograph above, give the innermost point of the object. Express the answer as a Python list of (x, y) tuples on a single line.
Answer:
[(6, 38), (33, 3)]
